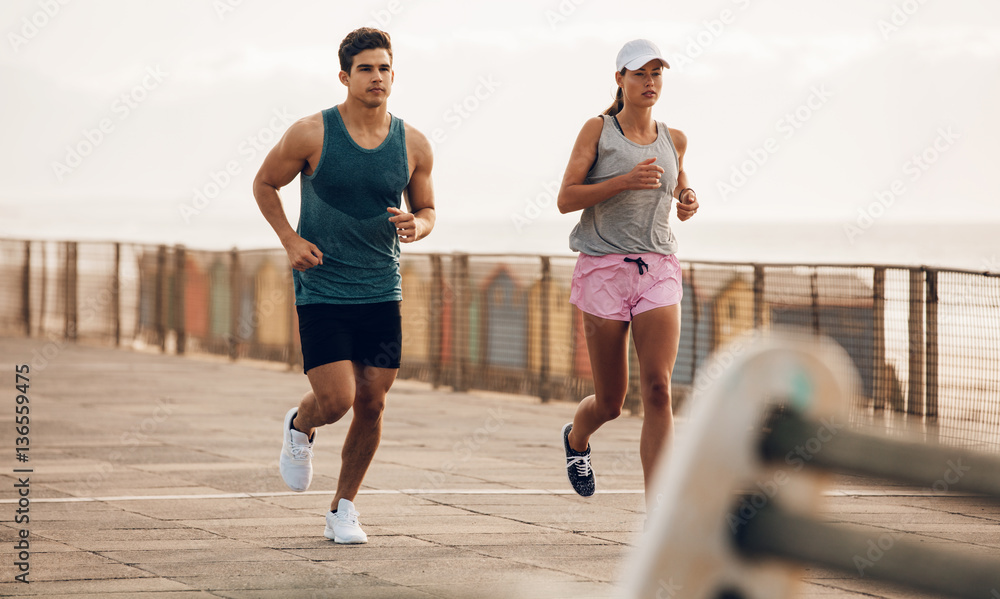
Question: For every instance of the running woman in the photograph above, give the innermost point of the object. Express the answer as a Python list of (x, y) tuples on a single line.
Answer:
[(356, 162), (624, 170)]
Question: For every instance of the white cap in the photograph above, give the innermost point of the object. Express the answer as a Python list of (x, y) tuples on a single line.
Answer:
[(636, 53)]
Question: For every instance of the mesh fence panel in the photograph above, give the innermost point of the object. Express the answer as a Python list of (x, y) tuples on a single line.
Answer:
[(925, 342)]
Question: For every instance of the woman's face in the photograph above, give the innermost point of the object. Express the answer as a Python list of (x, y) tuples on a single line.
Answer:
[(642, 86)]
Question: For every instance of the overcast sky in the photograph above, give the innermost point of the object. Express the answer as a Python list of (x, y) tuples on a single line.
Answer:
[(117, 114)]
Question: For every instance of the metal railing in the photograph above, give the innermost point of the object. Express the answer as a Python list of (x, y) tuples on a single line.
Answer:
[(925, 341)]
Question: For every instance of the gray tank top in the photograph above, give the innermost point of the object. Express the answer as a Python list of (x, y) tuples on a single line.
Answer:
[(634, 221)]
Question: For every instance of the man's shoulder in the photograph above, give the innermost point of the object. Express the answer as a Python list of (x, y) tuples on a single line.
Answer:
[(415, 140)]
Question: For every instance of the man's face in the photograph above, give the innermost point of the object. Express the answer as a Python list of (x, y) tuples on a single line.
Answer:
[(370, 80)]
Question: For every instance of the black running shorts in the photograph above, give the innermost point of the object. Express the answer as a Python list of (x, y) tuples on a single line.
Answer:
[(369, 334)]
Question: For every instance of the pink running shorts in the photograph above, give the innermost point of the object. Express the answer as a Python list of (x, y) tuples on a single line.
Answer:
[(617, 289)]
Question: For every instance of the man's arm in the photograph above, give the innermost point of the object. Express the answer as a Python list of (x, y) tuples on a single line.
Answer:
[(687, 205), (286, 160), (419, 193)]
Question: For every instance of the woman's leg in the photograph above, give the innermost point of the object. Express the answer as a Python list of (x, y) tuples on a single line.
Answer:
[(607, 345), (657, 335)]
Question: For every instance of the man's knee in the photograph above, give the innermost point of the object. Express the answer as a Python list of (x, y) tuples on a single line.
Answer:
[(369, 406), (331, 406)]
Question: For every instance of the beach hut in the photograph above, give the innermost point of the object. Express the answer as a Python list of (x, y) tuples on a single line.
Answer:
[(273, 304), (220, 299), (195, 298), (416, 313), (717, 307), (560, 328), (837, 305), (506, 322)]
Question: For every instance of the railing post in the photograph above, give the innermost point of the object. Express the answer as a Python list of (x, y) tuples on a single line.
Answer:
[(695, 318), (814, 293), (758, 296), (235, 290), (435, 319), (180, 284), (545, 366), (161, 299), (460, 265), (26, 289), (880, 374), (43, 291), (915, 392), (70, 283), (116, 305), (292, 349), (931, 390)]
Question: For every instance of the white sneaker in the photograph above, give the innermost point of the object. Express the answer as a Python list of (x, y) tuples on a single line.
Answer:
[(342, 526), (295, 462)]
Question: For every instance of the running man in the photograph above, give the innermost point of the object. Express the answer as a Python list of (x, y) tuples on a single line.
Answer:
[(623, 173), (356, 161)]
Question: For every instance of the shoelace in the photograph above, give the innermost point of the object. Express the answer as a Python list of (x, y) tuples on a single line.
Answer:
[(301, 452), (639, 262), (352, 517), (582, 463)]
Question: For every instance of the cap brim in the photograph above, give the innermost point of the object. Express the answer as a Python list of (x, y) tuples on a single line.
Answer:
[(641, 61)]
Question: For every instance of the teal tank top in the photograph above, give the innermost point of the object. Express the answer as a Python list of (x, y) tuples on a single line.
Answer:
[(344, 213)]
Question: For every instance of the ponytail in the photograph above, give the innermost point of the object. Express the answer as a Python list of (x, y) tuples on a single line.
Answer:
[(619, 102)]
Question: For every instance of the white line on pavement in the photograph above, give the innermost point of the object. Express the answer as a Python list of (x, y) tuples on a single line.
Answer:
[(828, 493)]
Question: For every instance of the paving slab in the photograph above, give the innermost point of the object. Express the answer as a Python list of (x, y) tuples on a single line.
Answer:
[(156, 476)]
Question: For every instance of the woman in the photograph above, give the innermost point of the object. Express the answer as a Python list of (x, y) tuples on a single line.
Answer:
[(623, 173)]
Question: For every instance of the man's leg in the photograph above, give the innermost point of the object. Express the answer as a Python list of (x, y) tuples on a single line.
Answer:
[(371, 384), (332, 395)]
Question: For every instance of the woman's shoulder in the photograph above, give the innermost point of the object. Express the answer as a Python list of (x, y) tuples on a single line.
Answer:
[(677, 136), (592, 128)]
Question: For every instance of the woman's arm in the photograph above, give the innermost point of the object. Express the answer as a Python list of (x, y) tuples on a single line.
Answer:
[(575, 195)]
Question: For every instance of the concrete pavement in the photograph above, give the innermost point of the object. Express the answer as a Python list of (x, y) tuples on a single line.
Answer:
[(156, 476)]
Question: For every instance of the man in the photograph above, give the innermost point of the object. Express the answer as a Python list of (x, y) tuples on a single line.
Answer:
[(356, 162)]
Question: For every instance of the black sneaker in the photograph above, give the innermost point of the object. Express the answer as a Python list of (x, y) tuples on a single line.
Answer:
[(581, 475)]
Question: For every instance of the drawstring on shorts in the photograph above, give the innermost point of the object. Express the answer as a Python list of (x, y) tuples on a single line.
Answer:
[(638, 262)]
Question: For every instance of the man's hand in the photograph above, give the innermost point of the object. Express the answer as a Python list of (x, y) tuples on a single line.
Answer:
[(302, 254), (406, 224), (687, 204)]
